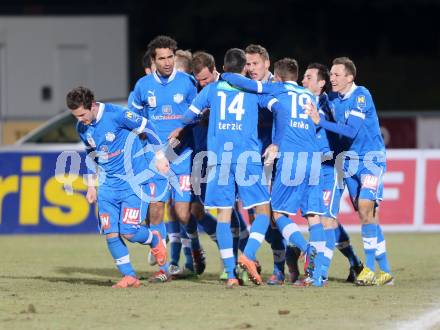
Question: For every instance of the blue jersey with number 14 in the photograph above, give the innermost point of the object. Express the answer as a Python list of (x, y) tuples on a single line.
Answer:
[(233, 120)]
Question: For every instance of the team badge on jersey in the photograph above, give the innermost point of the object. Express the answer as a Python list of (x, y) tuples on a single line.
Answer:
[(131, 216), (178, 98), (109, 136), (129, 114), (91, 141), (360, 102)]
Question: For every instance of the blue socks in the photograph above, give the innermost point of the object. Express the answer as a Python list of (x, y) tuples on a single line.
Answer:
[(119, 252), (175, 243), (381, 252), (162, 229), (328, 250), (256, 237), (144, 236), (209, 225), (193, 233), (278, 250), (318, 241), (291, 233), (369, 238), (344, 246), (235, 230), (224, 240), (186, 244)]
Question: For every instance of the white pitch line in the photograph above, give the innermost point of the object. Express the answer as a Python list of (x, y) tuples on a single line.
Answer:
[(426, 321)]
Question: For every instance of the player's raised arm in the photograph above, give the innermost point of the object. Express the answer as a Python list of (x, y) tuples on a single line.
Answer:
[(349, 129), (197, 106), (272, 104), (91, 166), (247, 84), (139, 124)]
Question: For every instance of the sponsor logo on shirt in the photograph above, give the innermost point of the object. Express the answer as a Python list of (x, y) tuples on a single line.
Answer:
[(167, 109)]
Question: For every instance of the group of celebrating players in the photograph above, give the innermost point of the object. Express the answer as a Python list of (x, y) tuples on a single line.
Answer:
[(193, 140)]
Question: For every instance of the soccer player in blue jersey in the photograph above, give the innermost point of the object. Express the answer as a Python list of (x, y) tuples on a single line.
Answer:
[(257, 66), (164, 96), (105, 130), (205, 72), (364, 163), (234, 162), (317, 80), (299, 157), (177, 234)]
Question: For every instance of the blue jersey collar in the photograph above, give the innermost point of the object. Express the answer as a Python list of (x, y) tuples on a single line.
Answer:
[(270, 78), (100, 112), (162, 80), (348, 94)]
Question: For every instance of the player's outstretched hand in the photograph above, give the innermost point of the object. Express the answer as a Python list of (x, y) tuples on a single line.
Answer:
[(173, 138), (270, 154), (162, 163), (174, 134), (312, 111), (91, 195)]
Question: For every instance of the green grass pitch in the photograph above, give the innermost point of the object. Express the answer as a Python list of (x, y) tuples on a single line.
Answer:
[(64, 282)]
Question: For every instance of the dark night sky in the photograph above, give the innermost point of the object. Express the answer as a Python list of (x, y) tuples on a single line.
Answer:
[(395, 44)]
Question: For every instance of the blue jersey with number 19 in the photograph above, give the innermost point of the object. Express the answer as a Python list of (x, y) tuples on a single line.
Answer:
[(233, 120), (299, 131)]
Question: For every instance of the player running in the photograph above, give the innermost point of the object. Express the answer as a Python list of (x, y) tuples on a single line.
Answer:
[(105, 130)]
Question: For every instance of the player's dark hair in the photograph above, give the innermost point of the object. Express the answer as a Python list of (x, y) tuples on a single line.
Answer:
[(146, 60), (235, 60), (161, 42), (348, 64), (257, 49), (202, 60), (323, 74), (183, 58), (286, 69), (80, 96)]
